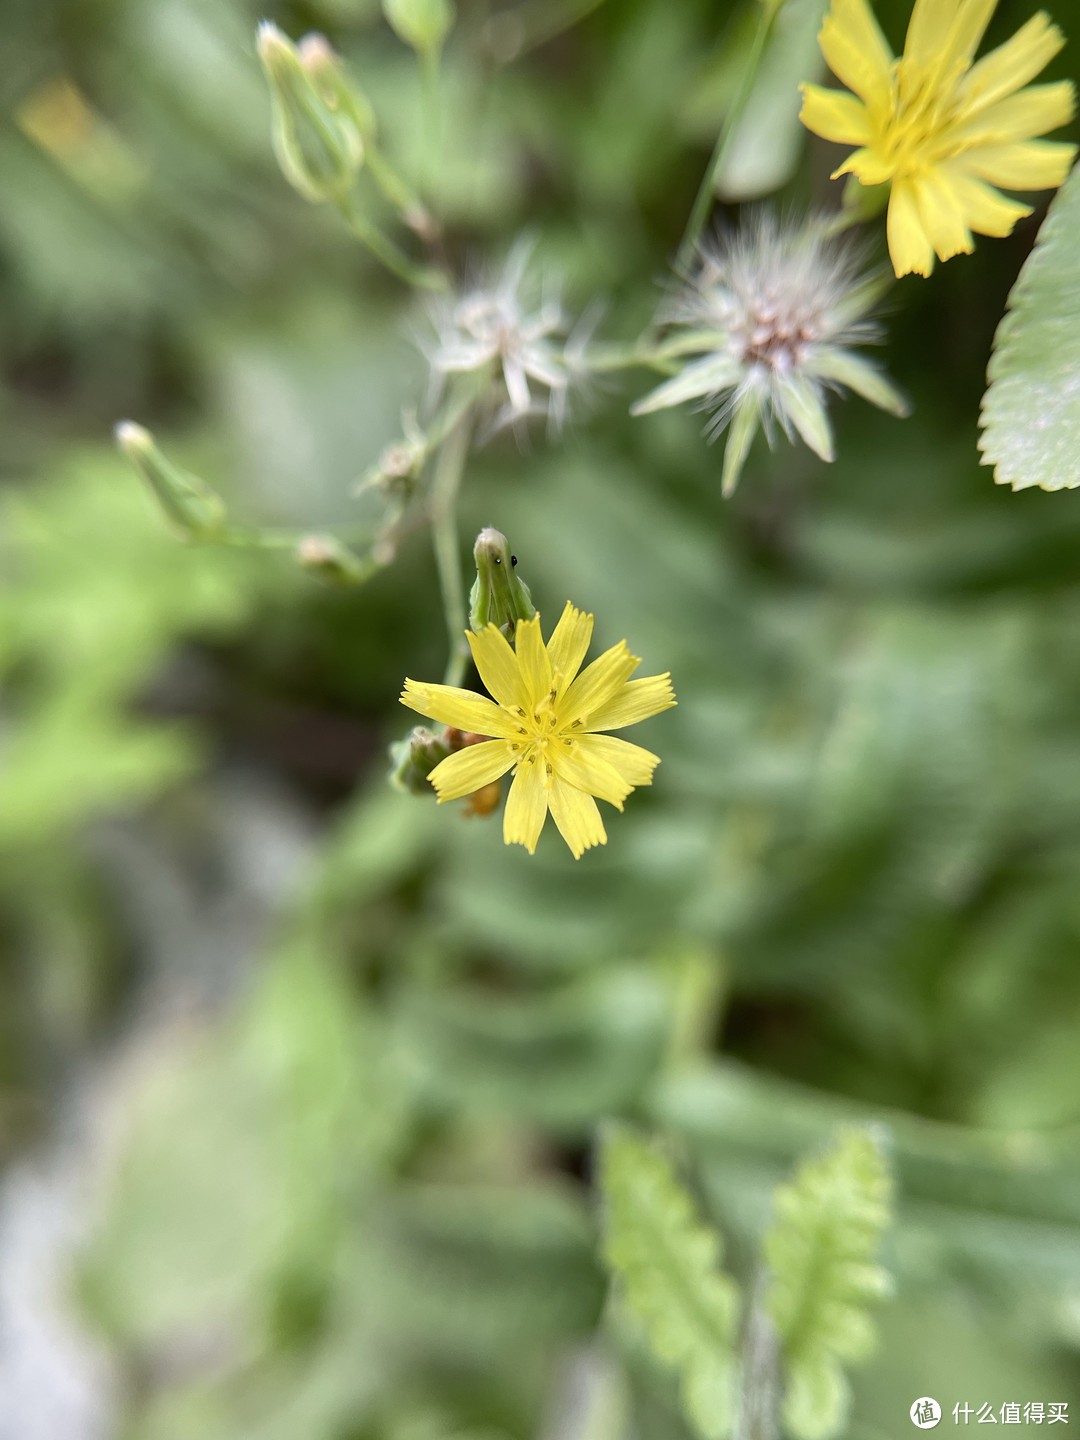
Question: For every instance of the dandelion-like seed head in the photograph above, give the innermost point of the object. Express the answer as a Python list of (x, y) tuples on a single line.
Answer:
[(526, 351), (777, 293), (764, 326)]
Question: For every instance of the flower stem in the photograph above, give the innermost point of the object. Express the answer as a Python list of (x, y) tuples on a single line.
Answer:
[(430, 87), (703, 202), (401, 195), (423, 277), (449, 468)]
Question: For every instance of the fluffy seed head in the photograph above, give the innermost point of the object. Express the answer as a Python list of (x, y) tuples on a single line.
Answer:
[(763, 326), (495, 329)]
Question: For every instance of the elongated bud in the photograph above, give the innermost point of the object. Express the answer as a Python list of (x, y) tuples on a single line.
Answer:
[(326, 557), (413, 759), (318, 136), (338, 88), (498, 596), (423, 24), (194, 510)]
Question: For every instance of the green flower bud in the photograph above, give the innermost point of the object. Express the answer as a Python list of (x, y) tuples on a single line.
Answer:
[(328, 558), (498, 596), (413, 759), (423, 24), (194, 510), (318, 135), (338, 89)]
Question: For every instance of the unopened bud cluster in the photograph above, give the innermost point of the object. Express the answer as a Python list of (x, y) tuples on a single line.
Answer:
[(321, 120)]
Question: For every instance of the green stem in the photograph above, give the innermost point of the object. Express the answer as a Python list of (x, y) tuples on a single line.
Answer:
[(841, 221), (449, 468), (429, 80), (400, 193), (536, 22), (699, 215), (384, 249), (759, 1390), (602, 359)]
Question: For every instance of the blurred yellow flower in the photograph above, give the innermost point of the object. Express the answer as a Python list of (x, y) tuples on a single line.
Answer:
[(944, 131), (544, 719)]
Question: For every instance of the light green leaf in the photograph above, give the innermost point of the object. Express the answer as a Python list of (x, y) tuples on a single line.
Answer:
[(820, 1252), (1031, 412), (667, 1262), (768, 139)]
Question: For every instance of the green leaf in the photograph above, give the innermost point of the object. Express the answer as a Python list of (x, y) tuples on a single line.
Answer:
[(565, 1055), (820, 1252), (768, 139), (1031, 412), (667, 1263)]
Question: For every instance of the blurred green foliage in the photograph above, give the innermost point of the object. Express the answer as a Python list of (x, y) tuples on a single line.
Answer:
[(354, 1199)]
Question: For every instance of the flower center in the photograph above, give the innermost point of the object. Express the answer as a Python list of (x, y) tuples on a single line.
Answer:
[(539, 733), (924, 106), (776, 333)]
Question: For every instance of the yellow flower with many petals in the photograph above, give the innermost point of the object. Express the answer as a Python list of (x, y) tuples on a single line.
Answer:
[(544, 720), (944, 131)]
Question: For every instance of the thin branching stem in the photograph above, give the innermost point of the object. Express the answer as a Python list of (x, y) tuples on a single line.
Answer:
[(400, 193), (445, 486), (703, 202), (431, 85), (423, 277), (759, 1387)]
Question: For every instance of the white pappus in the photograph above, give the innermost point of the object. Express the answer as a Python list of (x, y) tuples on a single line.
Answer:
[(763, 327)]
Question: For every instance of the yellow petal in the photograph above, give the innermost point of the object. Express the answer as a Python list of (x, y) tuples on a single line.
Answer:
[(532, 659), (909, 248), (583, 768), (597, 684), (463, 708), (470, 769), (498, 666), (1012, 65), (928, 30), (577, 817), (636, 701), (986, 210), (941, 215), (1027, 165), (569, 643), (856, 51), (969, 27), (634, 763), (834, 115), (526, 806), (943, 35), (1023, 116), (868, 166)]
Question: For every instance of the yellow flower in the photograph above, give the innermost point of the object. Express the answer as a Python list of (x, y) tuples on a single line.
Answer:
[(944, 131), (544, 719)]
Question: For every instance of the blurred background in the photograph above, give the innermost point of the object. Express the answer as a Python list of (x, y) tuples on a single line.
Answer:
[(300, 1076)]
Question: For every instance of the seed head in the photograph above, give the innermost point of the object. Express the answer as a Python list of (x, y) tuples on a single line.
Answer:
[(766, 323)]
